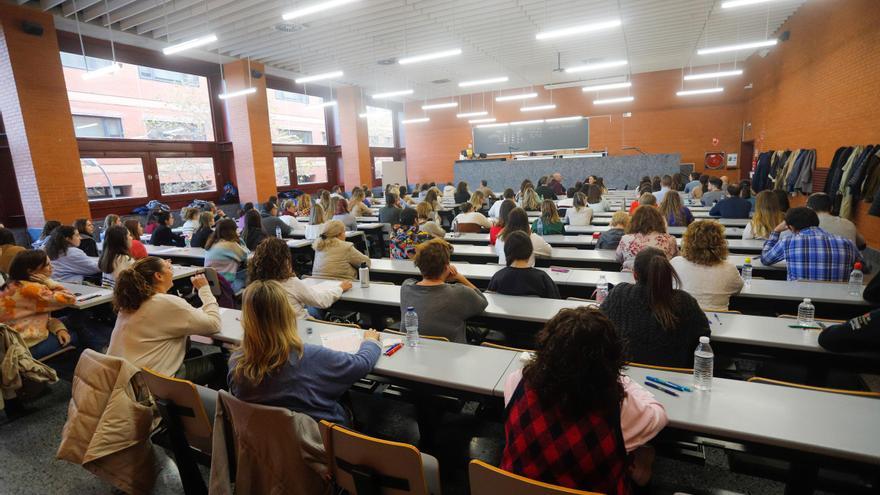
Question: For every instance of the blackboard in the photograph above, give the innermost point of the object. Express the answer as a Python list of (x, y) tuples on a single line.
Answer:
[(542, 136)]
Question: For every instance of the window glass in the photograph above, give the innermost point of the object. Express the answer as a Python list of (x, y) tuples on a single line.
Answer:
[(100, 127), (148, 103), (282, 171), (377, 165), (113, 178), (380, 127), (186, 175), (296, 118), (311, 169)]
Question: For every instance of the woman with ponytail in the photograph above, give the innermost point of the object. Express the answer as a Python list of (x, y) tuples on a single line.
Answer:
[(152, 327), (662, 325), (334, 256)]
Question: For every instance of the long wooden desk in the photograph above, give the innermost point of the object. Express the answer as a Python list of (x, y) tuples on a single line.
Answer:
[(749, 246), (729, 232), (89, 296)]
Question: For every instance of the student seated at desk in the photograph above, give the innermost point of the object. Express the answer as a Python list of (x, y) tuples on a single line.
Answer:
[(8, 249), (272, 224), (610, 238), (821, 203), (334, 256), (646, 199), (390, 213), (163, 235), (137, 250), (153, 328), (714, 194), (506, 207), (406, 235), (768, 215), (190, 217), (27, 300), (115, 255), (69, 263), (550, 221), (495, 209), (703, 268), (662, 325), (544, 190), (442, 308), (356, 206), (733, 206), (316, 222), (303, 206), (242, 215), (426, 216), (225, 253), (87, 241), (206, 228), (48, 228), (109, 221), (856, 335), (342, 215), (274, 367), (595, 420), (253, 233), (462, 193), (530, 200), (518, 220), (518, 278), (579, 214), (478, 201), (676, 214), (595, 201), (646, 229), (810, 253), (665, 187), (469, 216)]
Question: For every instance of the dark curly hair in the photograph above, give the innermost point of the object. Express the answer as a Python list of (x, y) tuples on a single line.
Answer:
[(578, 362), (271, 261)]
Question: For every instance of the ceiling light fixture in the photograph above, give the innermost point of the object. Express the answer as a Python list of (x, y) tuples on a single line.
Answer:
[(311, 9), (527, 122), (436, 106), (565, 119), (415, 121), (319, 77), (713, 75), (607, 101), (471, 114), (741, 3), (477, 121), (502, 124), (103, 71), (480, 82), (586, 28), (596, 66), (523, 96), (691, 92), (193, 43), (606, 87), (429, 56), (537, 108), (741, 46), (241, 92), (391, 94)]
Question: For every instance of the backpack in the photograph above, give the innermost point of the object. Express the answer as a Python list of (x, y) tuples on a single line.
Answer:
[(230, 194)]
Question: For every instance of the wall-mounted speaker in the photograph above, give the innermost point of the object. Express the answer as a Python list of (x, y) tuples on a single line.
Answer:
[(32, 28)]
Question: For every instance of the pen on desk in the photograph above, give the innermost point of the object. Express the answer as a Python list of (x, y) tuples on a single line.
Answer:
[(394, 349), (672, 385), (658, 387), (718, 319), (86, 298)]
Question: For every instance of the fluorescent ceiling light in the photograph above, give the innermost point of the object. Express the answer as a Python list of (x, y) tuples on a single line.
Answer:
[(503, 124), (435, 106), (319, 77), (193, 43), (429, 56), (471, 114), (475, 121), (527, 122), (241, 92), (415, 121), (522, 96), (607, 101), (586, 28), (331, 103), (699, 91), (103, 71), (596, 66), (741, 46), (317, 7), (713, 75), (537, 108), (480, 82), (741, 3), (565, 119), (606, 87), (391, 94)]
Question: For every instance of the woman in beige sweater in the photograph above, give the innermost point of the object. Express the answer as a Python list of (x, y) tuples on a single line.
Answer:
[(334, 256)]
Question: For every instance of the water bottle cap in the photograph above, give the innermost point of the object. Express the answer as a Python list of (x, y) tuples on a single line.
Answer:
[(410, 308), (704, 340), (364, 264), (807, 300), (858, 265), (748, 260)]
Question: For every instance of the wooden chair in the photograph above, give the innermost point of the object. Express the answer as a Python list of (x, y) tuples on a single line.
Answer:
[(506, 348), (661, 368), (429, 337), (856, 393), (468, 228), (190, 426), (729, 311), (490, 480), (364, 465), (823, 320)]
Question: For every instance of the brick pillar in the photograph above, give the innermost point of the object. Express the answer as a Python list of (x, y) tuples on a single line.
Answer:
[(357, 167), (39, 126), (248, 126)]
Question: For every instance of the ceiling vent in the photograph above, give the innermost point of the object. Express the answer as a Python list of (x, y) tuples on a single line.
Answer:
[(289, 27), (388, 61), (441, 81)]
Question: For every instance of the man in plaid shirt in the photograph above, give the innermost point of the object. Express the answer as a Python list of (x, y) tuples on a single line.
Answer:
[(811, 253)]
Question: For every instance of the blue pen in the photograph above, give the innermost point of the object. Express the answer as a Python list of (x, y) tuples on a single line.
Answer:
[(669, 384), (658, 387), (718, 319)]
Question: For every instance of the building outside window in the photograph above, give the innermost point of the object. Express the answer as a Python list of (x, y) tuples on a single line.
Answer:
[(169, 130), (186, 175), (296, 118), (380, 127), (167, 76), (291, 136), (113, 178), (90, 126), (282, 171), (311, 169)]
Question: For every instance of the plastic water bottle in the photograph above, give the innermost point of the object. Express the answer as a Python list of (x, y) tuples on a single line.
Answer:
[(540, 226), (278, 232), (806, 312), (856, 278), (747, 272), (411, 323), (601, 289), (704, 361), (187, 240), (364, 275)]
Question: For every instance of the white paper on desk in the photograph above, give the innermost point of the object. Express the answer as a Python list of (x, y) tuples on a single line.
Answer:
[(344, 341), (162, 249), (322, 283), (388, 342)]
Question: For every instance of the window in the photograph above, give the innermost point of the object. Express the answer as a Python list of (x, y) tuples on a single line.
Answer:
[(114, 178), (186, 175), (311, 169), (100, 127), (380, 127), (377, 165), (297, 118), (149, 103), (282, 171)]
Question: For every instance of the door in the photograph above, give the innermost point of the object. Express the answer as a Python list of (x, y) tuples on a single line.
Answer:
[(746, 152)]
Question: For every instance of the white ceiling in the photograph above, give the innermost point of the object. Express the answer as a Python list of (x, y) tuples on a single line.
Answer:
[(497, 36)]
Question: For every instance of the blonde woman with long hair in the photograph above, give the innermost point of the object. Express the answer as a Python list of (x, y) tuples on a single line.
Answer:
[(334, 256), (274, 367), (304, 205), (478, 199), (334, 202), (767, 216), (356, 205), (325, 203), (530, 200)]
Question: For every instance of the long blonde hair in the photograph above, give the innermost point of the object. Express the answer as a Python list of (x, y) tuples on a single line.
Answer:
[(478, 199), (330, 236), (270, 332), (768, 214), (530, 200), (331, 210)]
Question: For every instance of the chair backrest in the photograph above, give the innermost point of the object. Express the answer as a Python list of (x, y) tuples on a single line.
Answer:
[(663, 368), (823, 320), (506, 348), (213, 281), (187, 405), (361, 460), (490, 480), (429, 337), (335, 323), (857, 393), (468, 228)]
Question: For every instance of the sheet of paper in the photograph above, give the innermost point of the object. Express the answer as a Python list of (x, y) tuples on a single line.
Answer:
[(348, 340)]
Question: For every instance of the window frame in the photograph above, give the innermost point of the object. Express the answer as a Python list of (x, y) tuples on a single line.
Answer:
[(143, 156), (218, 187)]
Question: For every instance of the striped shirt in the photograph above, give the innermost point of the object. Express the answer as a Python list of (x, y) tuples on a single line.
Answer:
[(812, 254)]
